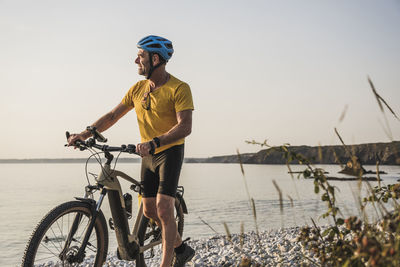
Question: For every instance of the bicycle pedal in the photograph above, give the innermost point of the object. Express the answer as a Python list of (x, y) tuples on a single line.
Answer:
[(111, 224), (152, 254), (156, 235)]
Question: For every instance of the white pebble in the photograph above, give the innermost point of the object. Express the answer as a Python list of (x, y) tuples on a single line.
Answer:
[(269, 248)]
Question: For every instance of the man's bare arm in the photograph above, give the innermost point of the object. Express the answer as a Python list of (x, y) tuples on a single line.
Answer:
[(103, 123), (182, 129)]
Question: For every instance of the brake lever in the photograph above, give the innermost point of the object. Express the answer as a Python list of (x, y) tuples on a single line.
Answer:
[(67, 134)]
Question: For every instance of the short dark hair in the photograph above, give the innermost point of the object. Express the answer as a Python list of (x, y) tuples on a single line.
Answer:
[(162, 60)]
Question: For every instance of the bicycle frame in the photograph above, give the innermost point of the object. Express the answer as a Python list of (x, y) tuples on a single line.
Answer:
[(128, 244)]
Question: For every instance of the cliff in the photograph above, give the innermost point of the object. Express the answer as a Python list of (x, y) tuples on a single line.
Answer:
[(368, 154)]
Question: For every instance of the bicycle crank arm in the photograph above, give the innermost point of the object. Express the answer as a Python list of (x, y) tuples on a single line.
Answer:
[(148, 246)]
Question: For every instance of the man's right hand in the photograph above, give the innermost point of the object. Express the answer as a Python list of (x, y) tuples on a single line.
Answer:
[(75, 137)]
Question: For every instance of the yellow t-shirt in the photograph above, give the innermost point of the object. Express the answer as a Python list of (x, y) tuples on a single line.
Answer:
[(174, 96)]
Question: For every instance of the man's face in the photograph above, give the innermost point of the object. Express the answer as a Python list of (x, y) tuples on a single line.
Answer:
[(143, 62)]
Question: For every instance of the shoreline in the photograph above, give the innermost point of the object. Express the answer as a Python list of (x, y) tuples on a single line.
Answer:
[(138, 160), (277, 247), (386, 153)]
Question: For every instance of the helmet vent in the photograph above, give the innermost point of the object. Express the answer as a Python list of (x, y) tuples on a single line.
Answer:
[(155, 45), (145, 42)]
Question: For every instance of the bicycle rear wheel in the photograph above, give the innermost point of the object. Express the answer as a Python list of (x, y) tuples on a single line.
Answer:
[(149, 232), (47, 244)]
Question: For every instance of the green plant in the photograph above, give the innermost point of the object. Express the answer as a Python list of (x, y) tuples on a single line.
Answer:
[(350, 241)]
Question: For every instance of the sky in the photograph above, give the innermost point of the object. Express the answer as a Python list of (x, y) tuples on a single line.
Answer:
[(281, 71)]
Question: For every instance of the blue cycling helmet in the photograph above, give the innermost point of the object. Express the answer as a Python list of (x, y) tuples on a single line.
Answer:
[(157, 44)]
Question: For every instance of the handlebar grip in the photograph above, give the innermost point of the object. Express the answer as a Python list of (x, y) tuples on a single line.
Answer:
[(131, 149)]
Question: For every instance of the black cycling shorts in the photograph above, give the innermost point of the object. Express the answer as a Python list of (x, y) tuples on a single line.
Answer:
[(160, 172)]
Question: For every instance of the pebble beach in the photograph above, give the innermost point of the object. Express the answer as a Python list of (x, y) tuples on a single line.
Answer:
[(269, 248)]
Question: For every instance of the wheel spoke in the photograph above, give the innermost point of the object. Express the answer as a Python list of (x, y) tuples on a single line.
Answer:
[(62, 224), (62, 237), (88, 245), (50, 236), (46, 258), (51, 240), (82, 235), (51, 252)]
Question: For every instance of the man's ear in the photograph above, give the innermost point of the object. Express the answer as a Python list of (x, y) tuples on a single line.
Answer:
[(156, 59)]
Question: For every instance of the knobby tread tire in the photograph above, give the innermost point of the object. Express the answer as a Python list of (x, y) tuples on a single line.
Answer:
[(100, 228)]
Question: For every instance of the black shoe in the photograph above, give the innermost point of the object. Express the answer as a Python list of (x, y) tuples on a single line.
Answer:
[(181, 259)]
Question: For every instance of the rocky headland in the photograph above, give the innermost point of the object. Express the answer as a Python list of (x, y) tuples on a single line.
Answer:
[(368, 154)]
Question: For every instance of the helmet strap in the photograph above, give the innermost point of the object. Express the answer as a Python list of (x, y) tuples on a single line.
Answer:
[(152, 68)]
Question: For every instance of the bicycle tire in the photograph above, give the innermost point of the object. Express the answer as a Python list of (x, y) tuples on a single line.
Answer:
[(149, 231), (49, 236)]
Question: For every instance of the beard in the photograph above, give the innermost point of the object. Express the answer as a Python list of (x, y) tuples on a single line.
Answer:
[(142, 71)]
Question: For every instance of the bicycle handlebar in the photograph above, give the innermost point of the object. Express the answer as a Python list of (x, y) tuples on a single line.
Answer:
[(131, 149), (83, 145)]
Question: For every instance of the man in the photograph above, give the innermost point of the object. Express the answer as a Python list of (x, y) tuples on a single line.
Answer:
[(163, 106)]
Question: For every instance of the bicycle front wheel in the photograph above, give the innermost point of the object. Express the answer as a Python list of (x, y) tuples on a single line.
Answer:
[(58, 237)]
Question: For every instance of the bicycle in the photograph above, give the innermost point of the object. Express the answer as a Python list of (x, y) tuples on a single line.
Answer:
[(75, 233)]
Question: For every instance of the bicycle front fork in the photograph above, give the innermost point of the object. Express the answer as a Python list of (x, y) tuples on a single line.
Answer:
[(95, 208)]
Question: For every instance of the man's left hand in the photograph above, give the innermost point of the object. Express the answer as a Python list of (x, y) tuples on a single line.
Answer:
[(144, 149)]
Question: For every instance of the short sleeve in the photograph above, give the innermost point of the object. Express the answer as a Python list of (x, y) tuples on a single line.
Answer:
[(128, 98), (183, 98)]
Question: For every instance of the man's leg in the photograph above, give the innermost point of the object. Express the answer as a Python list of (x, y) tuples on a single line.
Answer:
[(169, 163), (171, 238), (150, 209)]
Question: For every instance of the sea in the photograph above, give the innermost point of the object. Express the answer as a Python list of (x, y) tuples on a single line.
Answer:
[(215, 194)]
